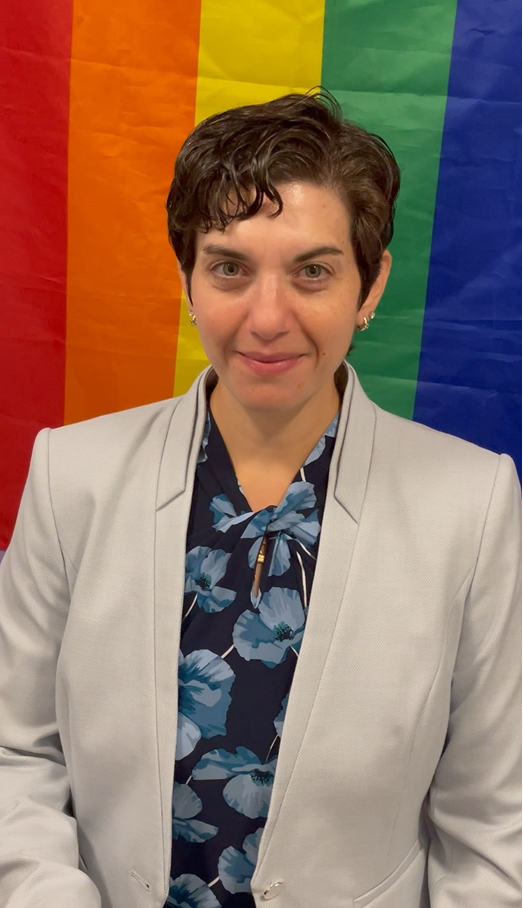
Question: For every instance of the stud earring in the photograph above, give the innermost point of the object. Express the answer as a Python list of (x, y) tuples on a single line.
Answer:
[(192, 319)]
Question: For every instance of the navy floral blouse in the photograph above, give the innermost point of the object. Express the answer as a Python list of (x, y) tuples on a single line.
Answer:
[(239, 648)]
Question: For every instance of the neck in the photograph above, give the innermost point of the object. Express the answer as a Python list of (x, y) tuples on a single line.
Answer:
[(272, 439)]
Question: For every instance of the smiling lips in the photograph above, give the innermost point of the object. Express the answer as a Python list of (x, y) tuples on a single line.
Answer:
[(270, 363), (271, 357)]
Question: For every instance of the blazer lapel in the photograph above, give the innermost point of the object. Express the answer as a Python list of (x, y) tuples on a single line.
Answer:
[(347, 484), (175, 485)]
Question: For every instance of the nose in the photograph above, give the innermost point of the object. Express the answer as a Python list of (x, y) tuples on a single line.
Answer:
[(269, 307)]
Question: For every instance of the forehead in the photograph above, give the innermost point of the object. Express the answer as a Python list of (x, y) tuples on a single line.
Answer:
[(311, 214)]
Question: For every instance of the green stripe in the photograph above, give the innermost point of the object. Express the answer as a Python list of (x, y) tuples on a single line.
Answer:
[(387, 63)]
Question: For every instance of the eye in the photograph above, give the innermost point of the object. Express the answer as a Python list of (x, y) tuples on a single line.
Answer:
[(227, 269), (314, 270)]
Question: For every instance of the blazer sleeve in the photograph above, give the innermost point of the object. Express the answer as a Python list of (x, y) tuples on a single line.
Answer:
[(39, 858), (474, 801)]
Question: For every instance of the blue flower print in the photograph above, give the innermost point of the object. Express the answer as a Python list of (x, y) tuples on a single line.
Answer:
[(186, 805), (202, 456), (189, 891), (318, 450), (236, 868), (268, 634), (278, 722), (249, 791), (287, 523), (204, 682), (224, 514), (204, 567)]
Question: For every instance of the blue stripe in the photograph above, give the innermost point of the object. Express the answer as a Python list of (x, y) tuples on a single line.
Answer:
[(469, 380)]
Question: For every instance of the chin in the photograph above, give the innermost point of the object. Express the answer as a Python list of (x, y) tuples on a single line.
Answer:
[(270, 401)]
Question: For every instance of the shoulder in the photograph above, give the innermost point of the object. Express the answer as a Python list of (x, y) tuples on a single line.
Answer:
[(102, 473), (114, 435), (116, 428), (438, 468), (416, 442), (404, 449), (94, 453), (436, 497)]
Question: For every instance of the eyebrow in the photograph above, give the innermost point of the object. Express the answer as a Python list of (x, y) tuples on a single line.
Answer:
[(213, 249), (317, 251)]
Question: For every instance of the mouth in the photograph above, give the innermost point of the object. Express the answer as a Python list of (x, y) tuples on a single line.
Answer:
[(271, 357), (270, 363)]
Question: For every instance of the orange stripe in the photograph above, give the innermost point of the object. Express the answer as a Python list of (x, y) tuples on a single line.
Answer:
[(133, 87)]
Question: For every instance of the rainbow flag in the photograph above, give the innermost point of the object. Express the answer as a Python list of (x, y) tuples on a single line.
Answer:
[(97, 99)]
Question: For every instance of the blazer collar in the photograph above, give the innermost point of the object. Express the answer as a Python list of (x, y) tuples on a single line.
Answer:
[(352, 453), (350, 460), (183, 440)]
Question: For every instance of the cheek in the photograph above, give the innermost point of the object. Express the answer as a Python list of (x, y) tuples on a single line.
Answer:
[(218, 320), (217, 327), (334, 329)]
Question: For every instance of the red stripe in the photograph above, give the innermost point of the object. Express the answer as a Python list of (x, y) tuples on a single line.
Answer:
[(35, 40)]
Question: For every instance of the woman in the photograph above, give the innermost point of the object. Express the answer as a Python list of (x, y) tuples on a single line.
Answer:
[(260, 642)]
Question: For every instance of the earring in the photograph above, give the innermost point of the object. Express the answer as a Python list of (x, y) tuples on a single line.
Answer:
[(192, 319), (366, 322)]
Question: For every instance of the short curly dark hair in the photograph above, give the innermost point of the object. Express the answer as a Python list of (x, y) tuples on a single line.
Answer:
[(238, 157)]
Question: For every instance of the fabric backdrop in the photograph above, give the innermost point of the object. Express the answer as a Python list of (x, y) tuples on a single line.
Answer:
[(96, 100)]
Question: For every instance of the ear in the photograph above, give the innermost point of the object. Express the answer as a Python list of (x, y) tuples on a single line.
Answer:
[(378, 287), (183, 281)]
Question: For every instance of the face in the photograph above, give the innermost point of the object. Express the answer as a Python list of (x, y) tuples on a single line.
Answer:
[(276, 299)]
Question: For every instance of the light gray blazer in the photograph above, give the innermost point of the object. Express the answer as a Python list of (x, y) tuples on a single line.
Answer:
[(397, 780)]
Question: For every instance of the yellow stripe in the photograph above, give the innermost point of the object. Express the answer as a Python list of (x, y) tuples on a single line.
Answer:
[(251, 51)]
